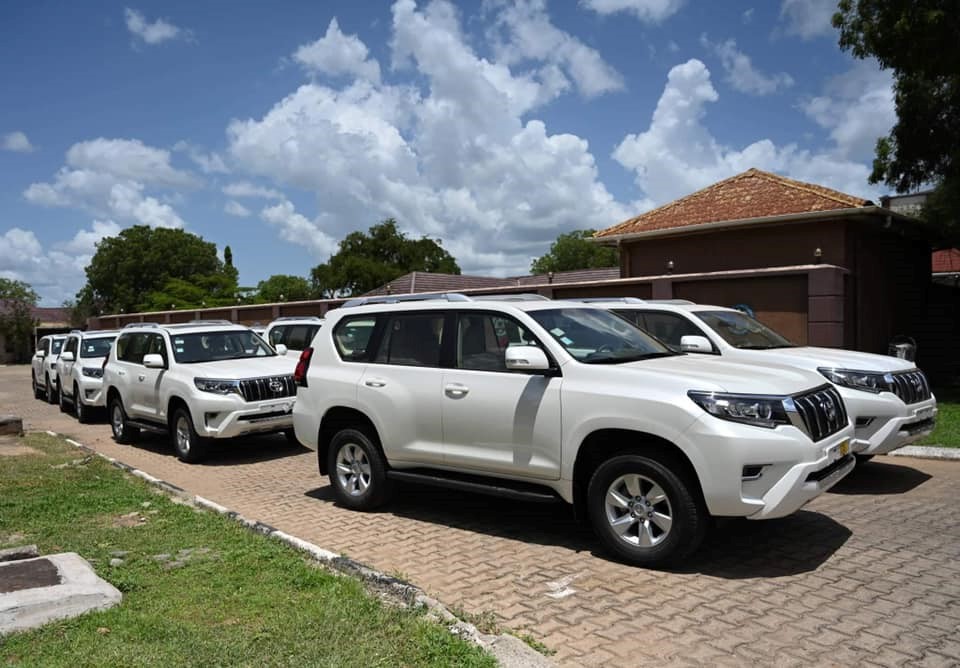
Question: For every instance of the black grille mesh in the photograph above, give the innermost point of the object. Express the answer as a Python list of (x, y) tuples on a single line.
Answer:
[(822, 412), (911, 386), (271, 387)]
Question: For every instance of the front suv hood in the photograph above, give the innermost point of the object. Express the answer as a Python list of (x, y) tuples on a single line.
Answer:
[(835, 358), (239, 369), (715, 375)]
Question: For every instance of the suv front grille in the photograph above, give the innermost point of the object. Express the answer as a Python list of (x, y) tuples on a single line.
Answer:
[(822, 412), (911, 386), (272, 387)]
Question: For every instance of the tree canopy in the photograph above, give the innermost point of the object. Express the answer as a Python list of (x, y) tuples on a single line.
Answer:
[(366, 261), (917, 39), (283, 287), (16, 317), (573, 250), (145, 268)]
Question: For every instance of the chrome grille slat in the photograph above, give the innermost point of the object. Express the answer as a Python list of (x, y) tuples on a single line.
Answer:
[(911, 386), (814, 410), (258, 389)]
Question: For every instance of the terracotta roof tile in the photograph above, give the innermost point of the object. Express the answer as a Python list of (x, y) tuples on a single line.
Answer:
[(422, 281), (946, 261), (752, 194)]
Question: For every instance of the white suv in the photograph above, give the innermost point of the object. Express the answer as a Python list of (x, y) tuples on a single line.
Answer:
[(888, 398), (292, 333), (541, 400), (80, 371), (198, 381), (43, 372)]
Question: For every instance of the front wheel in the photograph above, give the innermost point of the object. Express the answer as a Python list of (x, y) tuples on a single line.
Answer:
[(123, 432), (80, 410), (37, 392), (645, 511), (358, 473), (52, 394), (189, 446)]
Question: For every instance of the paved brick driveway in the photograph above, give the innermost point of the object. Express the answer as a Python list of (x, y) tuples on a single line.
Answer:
[(868, 574)]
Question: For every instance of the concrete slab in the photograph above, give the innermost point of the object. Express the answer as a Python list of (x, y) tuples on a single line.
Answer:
[(80, 590)]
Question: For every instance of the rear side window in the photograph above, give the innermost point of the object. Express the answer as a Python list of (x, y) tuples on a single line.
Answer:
[(352, 337), (412, 339)]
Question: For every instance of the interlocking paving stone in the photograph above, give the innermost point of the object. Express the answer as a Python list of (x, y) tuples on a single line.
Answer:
[(869, 573)]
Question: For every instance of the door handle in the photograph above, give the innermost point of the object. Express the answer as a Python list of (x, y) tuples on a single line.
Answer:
[(456, 390), (121, 373), (141, 377), (374, 382)]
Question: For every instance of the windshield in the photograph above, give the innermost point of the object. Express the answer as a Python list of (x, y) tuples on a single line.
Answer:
[(741, 331), (56, 345), (595, 336), (96, 347), (214, 346)]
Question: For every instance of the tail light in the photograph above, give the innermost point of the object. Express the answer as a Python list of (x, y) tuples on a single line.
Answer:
[(303, 364)]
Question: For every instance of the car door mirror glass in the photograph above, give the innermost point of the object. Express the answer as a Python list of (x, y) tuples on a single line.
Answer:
[(695, 344), (281, 349), (526, 358), (153, 361), (67, 356)]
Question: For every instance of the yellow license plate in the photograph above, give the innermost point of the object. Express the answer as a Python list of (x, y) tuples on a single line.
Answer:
[(844, 449)]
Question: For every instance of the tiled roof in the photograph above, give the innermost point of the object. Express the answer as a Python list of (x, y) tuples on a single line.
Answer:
[(422, 281), (752, 194), (576, 276), (946, 261)]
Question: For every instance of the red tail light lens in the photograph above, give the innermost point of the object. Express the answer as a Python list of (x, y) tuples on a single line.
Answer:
[(300, 373)]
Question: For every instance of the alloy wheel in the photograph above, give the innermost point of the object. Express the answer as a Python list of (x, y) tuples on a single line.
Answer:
[(638, 510), (353, 469)]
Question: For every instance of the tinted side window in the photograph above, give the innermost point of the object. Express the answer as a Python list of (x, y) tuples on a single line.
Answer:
[(132, 347), (299, 337), (352, 337), (45, 345), (276, 334), (412, 339), (73, 345), (482, 339), (156, 346), (669, 327)]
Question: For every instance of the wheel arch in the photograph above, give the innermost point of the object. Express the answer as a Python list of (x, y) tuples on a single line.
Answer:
[(335, 419), (173, 403)]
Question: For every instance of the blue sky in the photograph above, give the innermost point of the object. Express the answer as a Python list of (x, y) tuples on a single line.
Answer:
[(491, 125)]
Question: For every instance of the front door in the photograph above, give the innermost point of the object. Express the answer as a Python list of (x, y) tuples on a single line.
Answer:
[(146, 382), (494, 419)]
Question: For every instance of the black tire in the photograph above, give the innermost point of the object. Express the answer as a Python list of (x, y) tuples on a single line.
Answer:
[(863, 459), (123, 431), (80, 410), (365, 487), (291, 436), (62, 400), (644, 541), (37, 392), (189, 446), (52, 394)]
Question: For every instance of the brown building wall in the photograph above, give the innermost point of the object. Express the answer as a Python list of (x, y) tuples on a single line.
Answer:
[(638, 290), (741, 248)]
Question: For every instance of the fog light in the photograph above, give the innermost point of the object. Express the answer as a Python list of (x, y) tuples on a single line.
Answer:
[(753, 472), (864, 421)]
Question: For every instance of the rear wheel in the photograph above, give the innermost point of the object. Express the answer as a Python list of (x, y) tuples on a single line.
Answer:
[(79, 409), (123, 432), (358, 473), (645, 511), (189, 446)]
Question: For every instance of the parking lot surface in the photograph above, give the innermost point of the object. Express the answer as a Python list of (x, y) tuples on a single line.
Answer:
[(868, 574)]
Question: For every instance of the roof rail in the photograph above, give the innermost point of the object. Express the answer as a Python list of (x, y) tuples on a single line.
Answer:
[(521, 297), (394, 299), (141, 324), (76, 331), (670, 301), (207, 322), (297, 317), (624, 300)]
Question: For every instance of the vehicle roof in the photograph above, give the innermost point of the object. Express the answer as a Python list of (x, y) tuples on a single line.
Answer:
[(97, 332), (507, 306), (294, 320), (660, 306), (188, 328)]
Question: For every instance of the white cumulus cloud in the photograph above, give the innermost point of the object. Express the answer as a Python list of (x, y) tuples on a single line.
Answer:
[(16, 142), (298, 229), (235, 208), (247, 189), (808, 18), (741, 74), (337, 54), (154, 33), (650, 11)]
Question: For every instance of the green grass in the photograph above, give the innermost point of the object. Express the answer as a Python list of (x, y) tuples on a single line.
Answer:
[(249, 601), (947, 432)]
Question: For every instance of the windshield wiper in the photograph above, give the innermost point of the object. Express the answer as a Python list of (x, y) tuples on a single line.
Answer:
[(623, 359), (770, 346)]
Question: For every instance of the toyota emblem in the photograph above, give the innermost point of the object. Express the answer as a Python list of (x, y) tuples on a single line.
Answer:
[(275, 385)]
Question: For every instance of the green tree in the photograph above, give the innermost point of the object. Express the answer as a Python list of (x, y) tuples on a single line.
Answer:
[(283, 287), (143, 267), (917, 39), (17, 300), (366, 261), (574, 250)]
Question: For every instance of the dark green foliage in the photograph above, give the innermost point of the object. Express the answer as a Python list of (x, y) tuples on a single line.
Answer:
[(16, 318), (574, 250), (283, 287), (366, 261)]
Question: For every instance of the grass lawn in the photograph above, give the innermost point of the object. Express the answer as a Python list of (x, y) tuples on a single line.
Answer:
[(947, 432), (236, 598)]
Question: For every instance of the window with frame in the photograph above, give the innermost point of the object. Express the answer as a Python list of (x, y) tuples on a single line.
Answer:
[(156, 346), (71, 346), (482, 339), (412, 339), (668, 327), (276, 334), (132, 347), (352, 337)]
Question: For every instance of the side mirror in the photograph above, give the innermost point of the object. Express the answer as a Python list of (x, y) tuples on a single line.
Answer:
[(526, 358), (40, 355), (281, 349), (154, 361), (67, 356), (695, 344)]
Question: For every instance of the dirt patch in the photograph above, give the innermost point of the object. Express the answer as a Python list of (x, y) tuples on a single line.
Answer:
[(129, 520), (12, 446)]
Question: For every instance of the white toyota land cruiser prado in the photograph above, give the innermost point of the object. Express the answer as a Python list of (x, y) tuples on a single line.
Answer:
[(539, 400), (198, 381), (80, 370)]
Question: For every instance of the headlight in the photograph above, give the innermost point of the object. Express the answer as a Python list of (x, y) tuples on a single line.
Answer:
[(757, 410), (869, 381), (93, 372), (217, 386)]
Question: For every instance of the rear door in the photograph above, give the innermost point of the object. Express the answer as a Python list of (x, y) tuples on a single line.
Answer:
[(496, 420), (401, 387)]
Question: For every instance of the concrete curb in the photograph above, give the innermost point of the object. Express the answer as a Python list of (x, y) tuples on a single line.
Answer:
[(926, 452), (508, 650)]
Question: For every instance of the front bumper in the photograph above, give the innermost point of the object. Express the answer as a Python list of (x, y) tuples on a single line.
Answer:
[(91, 391), (891, 424), (228, 417)]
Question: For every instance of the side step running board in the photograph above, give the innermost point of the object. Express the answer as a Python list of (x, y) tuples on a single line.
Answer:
[(507, 489), (143, 425)]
